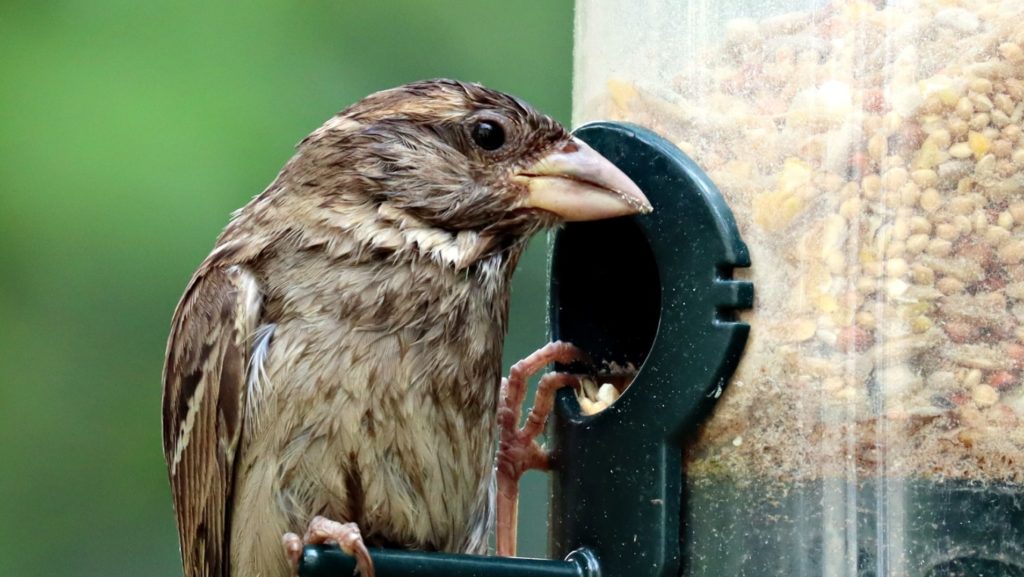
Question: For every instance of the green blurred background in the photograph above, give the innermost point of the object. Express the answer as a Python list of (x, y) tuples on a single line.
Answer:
[(128, 132)]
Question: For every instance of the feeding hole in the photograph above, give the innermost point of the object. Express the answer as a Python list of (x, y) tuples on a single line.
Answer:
[(605, 299)]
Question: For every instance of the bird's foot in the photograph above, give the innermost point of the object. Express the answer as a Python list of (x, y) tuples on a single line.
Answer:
[(323, 530), (518, 450)]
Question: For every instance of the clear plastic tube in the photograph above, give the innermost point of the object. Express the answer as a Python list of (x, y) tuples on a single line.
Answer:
[(874, 158)]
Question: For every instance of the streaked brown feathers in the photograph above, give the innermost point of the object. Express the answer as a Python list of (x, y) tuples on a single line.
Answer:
[(203, 408)]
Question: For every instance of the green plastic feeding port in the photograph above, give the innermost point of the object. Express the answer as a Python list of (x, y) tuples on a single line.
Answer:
[(654, 292)]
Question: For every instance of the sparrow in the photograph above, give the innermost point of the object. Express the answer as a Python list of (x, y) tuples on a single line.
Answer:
[(334, 363)]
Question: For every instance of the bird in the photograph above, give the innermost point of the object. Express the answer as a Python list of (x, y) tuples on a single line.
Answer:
[(334, 363)]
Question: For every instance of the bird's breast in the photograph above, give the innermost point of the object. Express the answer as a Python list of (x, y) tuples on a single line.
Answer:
[(380, 400)]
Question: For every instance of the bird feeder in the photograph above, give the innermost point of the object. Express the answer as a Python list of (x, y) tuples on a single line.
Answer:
[(656, 292), (872, 153)]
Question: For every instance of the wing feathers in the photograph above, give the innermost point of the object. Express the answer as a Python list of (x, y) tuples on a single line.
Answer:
[(203, 407)]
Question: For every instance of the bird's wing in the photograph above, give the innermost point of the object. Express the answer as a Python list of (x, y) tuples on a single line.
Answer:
[(203, 408)]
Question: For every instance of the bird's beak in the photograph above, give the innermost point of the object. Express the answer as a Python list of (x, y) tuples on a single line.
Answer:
[(576, 183)]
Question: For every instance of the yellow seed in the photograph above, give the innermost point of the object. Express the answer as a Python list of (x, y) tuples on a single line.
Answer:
[(980, 85), (925, 177), (939, 247), (947, 231), (949, 285), (1012, 252), (965, 108), (878, 146), (964, 223), (865, 320), (932, 105), (867, 255), (895, 287), (774, 210), (832, 383), (1011, 52), (846, 394), (795, 174), (919, 308), (802, 329), (973, 378), (984, 395), (866, 286), (948, 96), (835, 262), (985, 168), (961, 204), (916, 243), (980, 120), (896, 249), (622, 92), (928, 156), (996, 236), (607, 394), (920, 225), (687, 148), (896, 267), (587, 406), (957, 127), (1005, 169), (923, 275), (870, 185), (1004, 103), (982, 103), (909, 195), (827, 303), (1016, 210), (978, 143), (921, 324), (1002, 148), (850, 208), (930, 200), (963, 186), (960, 150), (941, 138), (900, 228), (792, 206), (892, 122), (894, 178)]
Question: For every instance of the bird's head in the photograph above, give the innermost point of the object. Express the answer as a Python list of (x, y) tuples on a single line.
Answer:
[(442, 158)]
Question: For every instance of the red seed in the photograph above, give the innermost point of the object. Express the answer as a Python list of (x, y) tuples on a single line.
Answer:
[(1016, 352), (854, 338), (1002, 380), (860, 163), (911, 136), (977, 251), (959, 332), (874, 100)]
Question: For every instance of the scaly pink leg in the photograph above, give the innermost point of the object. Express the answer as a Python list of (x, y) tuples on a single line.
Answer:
[(518, 450), (322, 530)]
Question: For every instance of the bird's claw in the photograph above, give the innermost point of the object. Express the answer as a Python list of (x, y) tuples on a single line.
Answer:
[(323, 530), (518, 450)]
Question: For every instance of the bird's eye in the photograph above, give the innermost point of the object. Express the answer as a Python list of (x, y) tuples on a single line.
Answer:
[(488, 135)]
